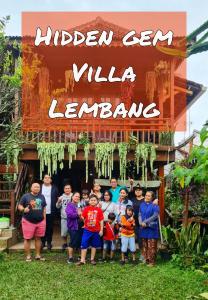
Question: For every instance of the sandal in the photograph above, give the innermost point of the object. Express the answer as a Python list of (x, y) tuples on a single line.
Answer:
[(80, 263), (93, 262), (28, 259), (40, 258)]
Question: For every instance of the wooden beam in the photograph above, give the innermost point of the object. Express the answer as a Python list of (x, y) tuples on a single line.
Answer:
[(149, 184), (30, 153)]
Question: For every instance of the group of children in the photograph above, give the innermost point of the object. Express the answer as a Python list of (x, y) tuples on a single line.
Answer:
[(85, 220)]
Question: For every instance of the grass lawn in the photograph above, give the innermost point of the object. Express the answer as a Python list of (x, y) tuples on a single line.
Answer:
[(54, 279)]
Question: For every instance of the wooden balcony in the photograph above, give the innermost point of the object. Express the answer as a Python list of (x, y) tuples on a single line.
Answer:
[(145, 136)]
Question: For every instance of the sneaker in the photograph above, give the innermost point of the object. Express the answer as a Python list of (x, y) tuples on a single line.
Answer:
[(70, 260), (28, 259)]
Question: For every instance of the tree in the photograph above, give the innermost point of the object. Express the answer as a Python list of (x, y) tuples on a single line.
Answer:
[(195, 169)]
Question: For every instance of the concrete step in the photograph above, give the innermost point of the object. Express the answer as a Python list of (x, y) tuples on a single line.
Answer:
[(8, 237), (5, 242), (9, 232)]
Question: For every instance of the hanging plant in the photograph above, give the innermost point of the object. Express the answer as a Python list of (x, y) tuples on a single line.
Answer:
[(123, 149), (86, 155), (12, 150), (142, 153), (104, 158), (153, 155), (72, 151), (50, 154), (166, 138), (83, 138)]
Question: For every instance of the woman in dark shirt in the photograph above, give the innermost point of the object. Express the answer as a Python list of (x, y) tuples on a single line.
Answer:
[(137, 199)]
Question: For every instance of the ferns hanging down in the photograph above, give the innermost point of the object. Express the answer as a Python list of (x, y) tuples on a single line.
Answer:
[(104, 159), (123, 149), (72, 151), (50, 154), (86, 155), (142, 153)]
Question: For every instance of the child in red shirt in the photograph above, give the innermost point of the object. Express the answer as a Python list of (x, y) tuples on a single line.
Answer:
[(109, 236), (93, 229)]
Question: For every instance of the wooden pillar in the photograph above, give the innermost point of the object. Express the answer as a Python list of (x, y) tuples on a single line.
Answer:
[(172, 95), (12, 208), (161, 195)]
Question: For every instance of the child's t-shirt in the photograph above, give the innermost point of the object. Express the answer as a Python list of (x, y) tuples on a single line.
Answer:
[(109, 232), (92, 217)]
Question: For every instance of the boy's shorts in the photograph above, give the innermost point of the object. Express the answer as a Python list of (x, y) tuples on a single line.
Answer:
[(31, 230), (64, 229), (128, 243), (90, 238), (75, 239), (109, 245)]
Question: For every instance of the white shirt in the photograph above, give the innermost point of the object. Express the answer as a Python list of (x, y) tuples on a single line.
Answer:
[(108, 207), (46, 192)]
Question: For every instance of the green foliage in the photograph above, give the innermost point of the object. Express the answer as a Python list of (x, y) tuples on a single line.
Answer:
[(72, 151), (176, 207), (201, 206), (104, 158), (86, 155), (133, 139), (123, 149), (11, 145), (173, 199), (166, 138), (10, 83), (142, 153), (186, 244), (83, 139), (2, 256), (168, 234), (189, 240), (197, 168), (54, 279), (50, 154), (15, 79)]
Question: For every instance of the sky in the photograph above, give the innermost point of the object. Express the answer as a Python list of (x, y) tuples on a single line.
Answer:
[(197, 65)]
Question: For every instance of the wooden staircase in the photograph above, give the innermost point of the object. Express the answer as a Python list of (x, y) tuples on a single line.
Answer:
[(10, 192)]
